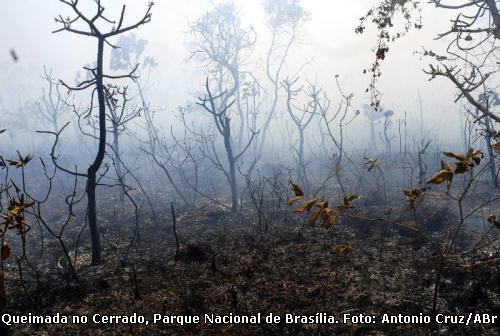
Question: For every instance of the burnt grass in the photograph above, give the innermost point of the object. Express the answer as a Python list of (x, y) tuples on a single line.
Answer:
[(226, 266)]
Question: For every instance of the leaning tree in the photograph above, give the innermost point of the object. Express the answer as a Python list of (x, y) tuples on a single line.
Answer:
[(91, 26)]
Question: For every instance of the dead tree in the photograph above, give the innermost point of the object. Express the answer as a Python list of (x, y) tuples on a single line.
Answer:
[(257, 192), (284, 18), (252, 94), (221, 45), (489, 99), (129, 53), (421, 162), (91, 27), (166, 156), (50, 107), (175, 156), (222, 122), (120, 113), (373, 115), (335, 120), (387, 138), (301, 118), (164, 153), (56, 231)]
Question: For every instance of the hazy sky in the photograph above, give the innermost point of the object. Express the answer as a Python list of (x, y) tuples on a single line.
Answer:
[(328, 40)]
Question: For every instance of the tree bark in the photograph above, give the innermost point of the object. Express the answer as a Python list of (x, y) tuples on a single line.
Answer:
[(491, 153), (118, 162), (232, 172), (94, 167)]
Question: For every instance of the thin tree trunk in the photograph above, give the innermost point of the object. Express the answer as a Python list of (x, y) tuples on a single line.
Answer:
[(232, 173), (491, 154), (302, 164), (94, 168), (119, 170)]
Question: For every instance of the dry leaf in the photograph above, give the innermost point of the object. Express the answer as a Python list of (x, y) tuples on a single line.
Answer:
[(372, 163), (347, 202), (294, 199), (350, 198), (442, 176), (296, 189), (314, 216), (493, 220), (322, 205), (340, 250), (496, 147), (331, 220), (412, 195), (307, 205)]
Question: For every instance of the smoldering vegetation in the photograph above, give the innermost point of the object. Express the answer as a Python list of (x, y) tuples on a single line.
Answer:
[(268, 190)]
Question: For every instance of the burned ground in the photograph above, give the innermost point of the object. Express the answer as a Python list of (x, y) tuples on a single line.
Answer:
[(227, 267)]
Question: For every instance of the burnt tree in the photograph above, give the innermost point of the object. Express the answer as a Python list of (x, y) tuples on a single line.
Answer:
[(301, 118), (222, 121), (89, 26)]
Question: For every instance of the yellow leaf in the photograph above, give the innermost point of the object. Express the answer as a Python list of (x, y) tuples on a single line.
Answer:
[(23, 161), (331, 219), (445, 166), (322, 205), (465, 161), (496, 147), (294, 199), (412, 195), (350, 198), (307, 205), (314, 216), (325, 213), (341, 249), (442, 176), (347, 202)]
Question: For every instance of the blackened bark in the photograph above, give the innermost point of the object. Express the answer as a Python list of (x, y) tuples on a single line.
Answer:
[(94, 168)]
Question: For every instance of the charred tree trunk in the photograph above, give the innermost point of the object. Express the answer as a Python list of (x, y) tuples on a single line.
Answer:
[(223, 124), (94, 167), (98, 83)]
